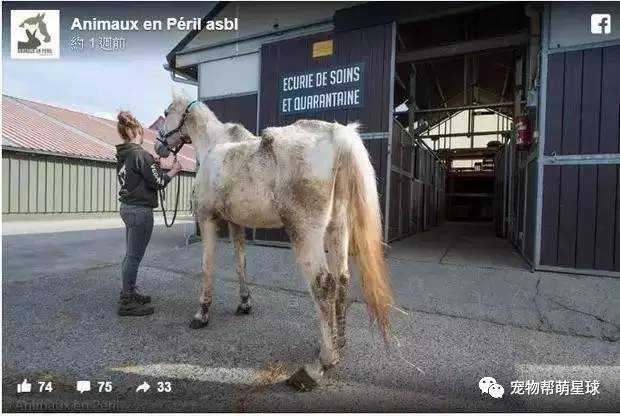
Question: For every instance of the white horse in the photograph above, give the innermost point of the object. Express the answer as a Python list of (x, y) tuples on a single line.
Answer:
[(314, 179)]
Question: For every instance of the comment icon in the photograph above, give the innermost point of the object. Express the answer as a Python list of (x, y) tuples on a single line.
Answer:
[(82, 386)]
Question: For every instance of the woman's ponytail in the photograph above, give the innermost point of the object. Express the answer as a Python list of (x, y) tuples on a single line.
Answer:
[(128, 126)]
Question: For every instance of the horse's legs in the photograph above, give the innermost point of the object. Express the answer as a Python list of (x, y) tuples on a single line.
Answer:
[(208, 231), (238, 235), (337, 244), (310, 254)]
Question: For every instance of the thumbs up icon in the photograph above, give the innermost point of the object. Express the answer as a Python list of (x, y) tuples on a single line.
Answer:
[(24, 387)]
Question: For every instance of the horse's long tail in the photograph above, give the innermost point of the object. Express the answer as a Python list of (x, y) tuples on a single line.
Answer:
[(358, 176)]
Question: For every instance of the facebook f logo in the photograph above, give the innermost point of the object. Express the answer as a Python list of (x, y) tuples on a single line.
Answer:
[(600, 24)]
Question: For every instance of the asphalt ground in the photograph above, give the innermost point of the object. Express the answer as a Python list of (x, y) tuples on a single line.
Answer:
[(458, 321)]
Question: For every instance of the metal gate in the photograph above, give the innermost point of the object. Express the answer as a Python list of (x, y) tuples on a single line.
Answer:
[(417, 185)]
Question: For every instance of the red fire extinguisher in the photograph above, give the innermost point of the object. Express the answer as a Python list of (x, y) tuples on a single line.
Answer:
[(524, 131)]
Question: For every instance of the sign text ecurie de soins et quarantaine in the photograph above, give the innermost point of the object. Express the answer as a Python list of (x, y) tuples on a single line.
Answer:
[(322, 89)]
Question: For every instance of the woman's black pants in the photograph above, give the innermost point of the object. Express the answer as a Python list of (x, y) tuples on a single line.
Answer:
[(138, 229)]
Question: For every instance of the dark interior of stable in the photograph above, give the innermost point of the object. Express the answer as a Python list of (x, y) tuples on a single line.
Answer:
[(460, 80)]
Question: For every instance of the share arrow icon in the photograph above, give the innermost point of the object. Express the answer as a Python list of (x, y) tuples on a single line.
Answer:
[(143, 388)]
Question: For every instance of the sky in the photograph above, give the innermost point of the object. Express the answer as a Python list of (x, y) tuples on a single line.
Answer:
[(93, 80)]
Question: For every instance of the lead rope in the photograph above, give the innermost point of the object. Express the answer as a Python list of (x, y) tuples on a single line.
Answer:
[(162, 199)]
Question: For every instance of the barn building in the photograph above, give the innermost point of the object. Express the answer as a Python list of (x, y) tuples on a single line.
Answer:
[(499, 112), (62, 163)]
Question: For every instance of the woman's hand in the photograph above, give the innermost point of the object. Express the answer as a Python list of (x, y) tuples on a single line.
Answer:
[(176, 167)]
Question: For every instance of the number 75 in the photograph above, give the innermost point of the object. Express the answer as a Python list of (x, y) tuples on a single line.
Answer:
[(104, 386)]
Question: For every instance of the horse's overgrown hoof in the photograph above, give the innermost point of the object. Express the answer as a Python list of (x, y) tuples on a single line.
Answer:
[(244, 309), (198, 323), (302, 381)]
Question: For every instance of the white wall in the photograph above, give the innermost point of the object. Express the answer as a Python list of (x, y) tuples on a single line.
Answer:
[(235, 75)]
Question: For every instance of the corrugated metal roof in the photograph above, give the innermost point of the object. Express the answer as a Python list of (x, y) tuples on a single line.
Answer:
[(31, 125)]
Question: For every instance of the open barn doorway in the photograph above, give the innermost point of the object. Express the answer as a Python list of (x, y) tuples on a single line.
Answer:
[(459, 89)]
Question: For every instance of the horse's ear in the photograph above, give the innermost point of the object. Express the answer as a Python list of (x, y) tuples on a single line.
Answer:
[(176, 92), (42, 15), (179, 94)]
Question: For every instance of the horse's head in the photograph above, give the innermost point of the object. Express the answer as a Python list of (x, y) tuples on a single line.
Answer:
[(173, 134), (43, 29)]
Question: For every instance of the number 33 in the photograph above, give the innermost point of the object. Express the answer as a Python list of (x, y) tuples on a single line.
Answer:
[(164, 387)]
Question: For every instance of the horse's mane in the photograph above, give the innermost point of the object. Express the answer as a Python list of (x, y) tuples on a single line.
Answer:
[(238, 133)]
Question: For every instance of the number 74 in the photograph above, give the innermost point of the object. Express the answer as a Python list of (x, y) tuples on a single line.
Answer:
[(45, 386)]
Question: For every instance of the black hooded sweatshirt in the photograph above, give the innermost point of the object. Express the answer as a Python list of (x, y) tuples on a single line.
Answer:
[(139, 176)]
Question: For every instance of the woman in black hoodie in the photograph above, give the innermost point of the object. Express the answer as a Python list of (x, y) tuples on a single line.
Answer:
[(140, 177)]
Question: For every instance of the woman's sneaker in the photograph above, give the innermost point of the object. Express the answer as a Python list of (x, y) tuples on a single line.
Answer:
[(139, 297), (128, 305)]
